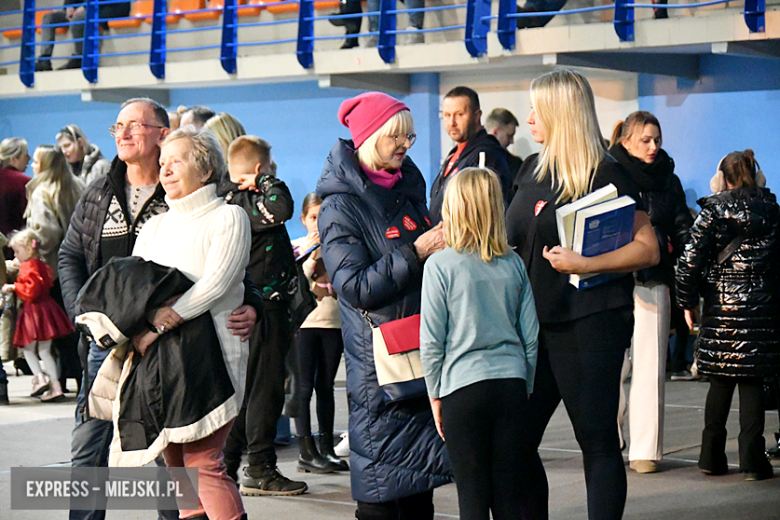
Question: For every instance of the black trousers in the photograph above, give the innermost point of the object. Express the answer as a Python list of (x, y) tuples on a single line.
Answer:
[(486, 428), (751, 424), (414, 507), (255, 426), (319, 355), (579, 362)]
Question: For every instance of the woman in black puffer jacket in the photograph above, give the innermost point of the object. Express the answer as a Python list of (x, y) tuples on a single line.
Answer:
[(731, 260), (637, 146)]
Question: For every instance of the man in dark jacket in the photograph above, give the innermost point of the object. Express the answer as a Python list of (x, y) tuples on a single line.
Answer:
[(502, 124), (462, 120), (74, 15), (105, 224)]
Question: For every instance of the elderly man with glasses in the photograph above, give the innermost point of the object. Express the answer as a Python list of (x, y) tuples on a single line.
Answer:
[(105, 224)]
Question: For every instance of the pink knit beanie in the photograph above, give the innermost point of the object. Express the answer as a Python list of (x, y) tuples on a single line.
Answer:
[(366, 113)]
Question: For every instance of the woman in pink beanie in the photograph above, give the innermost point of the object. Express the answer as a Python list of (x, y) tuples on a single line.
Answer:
[(375, 235)]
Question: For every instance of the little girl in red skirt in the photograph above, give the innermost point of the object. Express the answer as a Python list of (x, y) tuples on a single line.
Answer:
[(40, 319)]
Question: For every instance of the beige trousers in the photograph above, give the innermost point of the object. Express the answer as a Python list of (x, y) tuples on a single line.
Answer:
[(647, 364)]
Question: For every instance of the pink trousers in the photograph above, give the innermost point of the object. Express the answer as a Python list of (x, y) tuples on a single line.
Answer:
[(218, 495)]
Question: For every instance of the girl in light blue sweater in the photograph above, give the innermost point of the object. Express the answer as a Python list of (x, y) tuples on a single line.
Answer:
[(478, 343)]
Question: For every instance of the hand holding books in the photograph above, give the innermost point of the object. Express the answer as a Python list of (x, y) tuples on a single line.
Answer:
[(598, 223), (565, 260)]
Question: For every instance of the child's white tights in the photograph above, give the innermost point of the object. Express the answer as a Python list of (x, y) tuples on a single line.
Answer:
[(44, 351)]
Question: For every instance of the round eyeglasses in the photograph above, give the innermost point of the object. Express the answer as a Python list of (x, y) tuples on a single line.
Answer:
[(401, 139)]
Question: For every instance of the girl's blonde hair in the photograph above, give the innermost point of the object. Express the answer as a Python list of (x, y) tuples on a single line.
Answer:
[(10, 148), (29, 238), (400, 124), (226, 129), (62, 186), (573, 145), (473, 214)]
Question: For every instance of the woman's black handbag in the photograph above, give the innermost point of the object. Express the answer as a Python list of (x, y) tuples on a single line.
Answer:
[(301, 301)]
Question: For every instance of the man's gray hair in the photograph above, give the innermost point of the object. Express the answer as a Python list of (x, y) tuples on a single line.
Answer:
[(160, 113), (205, 152)]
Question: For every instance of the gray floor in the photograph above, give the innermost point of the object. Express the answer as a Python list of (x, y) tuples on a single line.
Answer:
[(35, 434)]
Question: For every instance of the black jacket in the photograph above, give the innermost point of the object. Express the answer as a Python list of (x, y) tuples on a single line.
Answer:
[(271, 259), (664, 200), (531, 226), (495, 159), (514, 163), (180, 390), (367, 235), (740, 324), (85, 249)]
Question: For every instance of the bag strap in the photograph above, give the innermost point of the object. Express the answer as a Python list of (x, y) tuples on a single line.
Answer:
[(730, 249)]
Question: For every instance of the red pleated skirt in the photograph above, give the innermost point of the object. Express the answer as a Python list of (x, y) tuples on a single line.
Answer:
[(41, 320)]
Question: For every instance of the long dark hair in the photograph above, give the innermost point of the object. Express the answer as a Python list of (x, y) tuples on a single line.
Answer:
[(739, 169)]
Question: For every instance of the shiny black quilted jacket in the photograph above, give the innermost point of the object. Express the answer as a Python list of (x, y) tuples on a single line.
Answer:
[(740, 327)]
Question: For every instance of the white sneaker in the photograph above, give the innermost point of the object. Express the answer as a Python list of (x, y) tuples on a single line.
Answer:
[(342, 448)]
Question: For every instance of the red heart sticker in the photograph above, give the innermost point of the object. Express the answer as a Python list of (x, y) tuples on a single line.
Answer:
[(409, 224), (428, 221), (392, 232), (539, 207)]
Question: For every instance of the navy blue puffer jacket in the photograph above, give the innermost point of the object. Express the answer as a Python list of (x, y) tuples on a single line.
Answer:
[(367, 234)]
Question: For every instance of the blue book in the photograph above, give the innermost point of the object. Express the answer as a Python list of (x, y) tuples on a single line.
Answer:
[(602, 228)]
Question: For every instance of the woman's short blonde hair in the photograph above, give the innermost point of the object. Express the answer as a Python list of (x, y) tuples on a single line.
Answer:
[(205, 152), (226, 129), (400, 124), (473, 214), (573, 145), (11, 148)]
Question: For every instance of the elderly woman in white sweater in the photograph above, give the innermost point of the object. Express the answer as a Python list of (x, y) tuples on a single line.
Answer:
[(207, 240)]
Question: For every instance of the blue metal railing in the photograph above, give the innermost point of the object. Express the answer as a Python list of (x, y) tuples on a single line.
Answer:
[(479, 19), (385, 34)]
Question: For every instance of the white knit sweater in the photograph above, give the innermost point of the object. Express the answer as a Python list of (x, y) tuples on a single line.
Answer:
[(208, 241)]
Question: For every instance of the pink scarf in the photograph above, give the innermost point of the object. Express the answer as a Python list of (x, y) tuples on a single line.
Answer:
[(383, 178)]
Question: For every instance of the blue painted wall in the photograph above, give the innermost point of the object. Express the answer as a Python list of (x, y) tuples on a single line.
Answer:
[(298, 119), (735, 105)]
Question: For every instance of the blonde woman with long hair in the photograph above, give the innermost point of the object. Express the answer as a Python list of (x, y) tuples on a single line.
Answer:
[(478, 344), (583, 334), (226, 129), (53, 193)]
